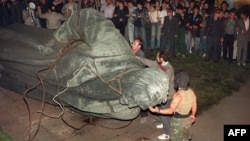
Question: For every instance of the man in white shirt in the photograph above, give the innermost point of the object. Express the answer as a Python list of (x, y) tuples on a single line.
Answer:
[(109, 9)]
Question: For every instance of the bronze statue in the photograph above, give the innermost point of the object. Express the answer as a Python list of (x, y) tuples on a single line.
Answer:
[(86, 64)]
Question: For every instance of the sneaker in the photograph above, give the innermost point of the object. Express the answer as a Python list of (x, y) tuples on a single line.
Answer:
[(143, 120), (244, 64), (238, 64), (163, 137), (159, 126)]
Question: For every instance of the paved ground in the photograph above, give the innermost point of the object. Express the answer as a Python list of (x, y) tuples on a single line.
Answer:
[(74, 127)]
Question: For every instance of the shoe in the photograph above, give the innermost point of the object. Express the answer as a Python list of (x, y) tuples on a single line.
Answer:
[(159, 126), (244, 64), (238, 64), (204, 55), (183, 56), (163, 137), (143, 120)]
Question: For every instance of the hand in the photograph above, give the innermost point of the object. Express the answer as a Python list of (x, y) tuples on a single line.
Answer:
[(154, 109), (192, 118)]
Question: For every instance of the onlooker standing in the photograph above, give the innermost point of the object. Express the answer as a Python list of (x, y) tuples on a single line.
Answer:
[(155, 16), (147, 24), (194, 23), (203, 41), (4, 16), (243, 37), (162, 61), (183, 107), (131, 18), (169, 32), (229, 37), (214, 32), (140, 20), (16, 12), (120, 18), (108, 9), (180, 42)]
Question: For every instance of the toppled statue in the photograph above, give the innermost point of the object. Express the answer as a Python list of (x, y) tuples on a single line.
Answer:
[(86, 64)]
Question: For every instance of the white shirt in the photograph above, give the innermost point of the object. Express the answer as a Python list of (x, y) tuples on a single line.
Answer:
[(247, 24), (109, 11)]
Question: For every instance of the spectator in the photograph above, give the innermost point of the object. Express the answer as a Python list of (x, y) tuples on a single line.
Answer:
[(194, 23), (169, 32), (180, 42), (140, 21), (120, 18), (4, 16), (155, 18), (214, 32), (243, 37), (131, 18), (16, 12), (108, 9), (229, 37)]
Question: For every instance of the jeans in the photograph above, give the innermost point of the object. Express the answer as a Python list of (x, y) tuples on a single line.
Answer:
[(130, 27), (166, 119), (141, 33), (155, 35), (188, 41), (196, 41), (203, 42)]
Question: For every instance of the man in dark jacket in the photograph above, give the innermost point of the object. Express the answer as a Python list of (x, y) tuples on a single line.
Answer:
[(214, 32), (169, 32), (120, 19), (194, 23)]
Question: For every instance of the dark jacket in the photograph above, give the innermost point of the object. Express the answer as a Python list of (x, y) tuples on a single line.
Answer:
[(214, 28), (121, 14), (170, 27), (197, 20)]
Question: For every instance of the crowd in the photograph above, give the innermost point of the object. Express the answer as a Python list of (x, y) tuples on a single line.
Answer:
[(183, 27)]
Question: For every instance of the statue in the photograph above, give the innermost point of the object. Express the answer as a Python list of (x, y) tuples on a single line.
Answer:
[(85, 64)]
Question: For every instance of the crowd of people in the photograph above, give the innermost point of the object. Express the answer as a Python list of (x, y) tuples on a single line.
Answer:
[(182, 27)]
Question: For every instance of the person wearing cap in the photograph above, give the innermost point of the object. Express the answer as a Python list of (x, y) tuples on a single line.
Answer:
[(169, 32), (183, 107), (213, 32), (194, 23)]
